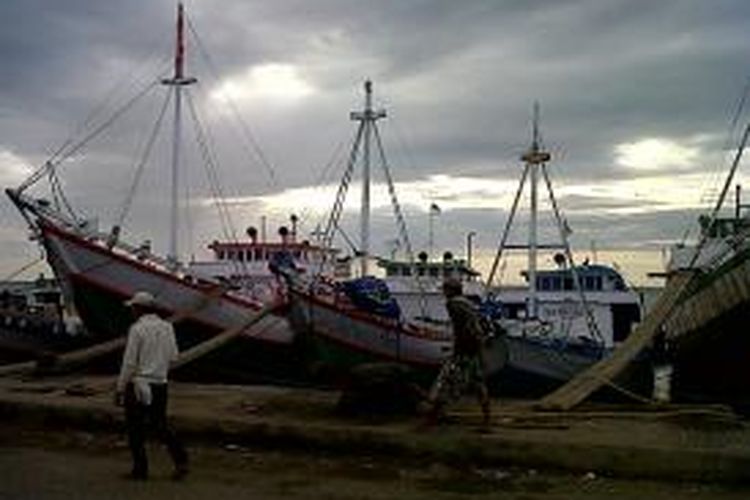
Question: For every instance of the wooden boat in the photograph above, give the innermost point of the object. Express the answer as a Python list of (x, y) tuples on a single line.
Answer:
[(97, 271), (342, 334)]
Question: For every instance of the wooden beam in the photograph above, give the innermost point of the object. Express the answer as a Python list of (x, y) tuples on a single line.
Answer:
[(82, 356), (222, 338), (602, 373)]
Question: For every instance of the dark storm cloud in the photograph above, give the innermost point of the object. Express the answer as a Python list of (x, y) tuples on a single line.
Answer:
[(458, 79)]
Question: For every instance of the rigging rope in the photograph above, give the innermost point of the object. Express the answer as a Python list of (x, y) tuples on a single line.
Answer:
[(23, 268), (722, 196), (49, 165), (135, 78), (591, 322), (715, 175), (506, 231), (142, 163), (338, 204), (211, 172), (400, 221), (61, 201), (225, 219), (249, 136), (320, 182)]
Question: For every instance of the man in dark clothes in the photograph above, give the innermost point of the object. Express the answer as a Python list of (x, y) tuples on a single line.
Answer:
[(464, 368), (142, 385)]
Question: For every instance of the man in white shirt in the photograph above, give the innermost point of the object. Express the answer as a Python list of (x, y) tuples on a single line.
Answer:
[(142, 385)]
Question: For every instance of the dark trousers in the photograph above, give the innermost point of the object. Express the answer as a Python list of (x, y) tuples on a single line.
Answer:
[(139, 419)]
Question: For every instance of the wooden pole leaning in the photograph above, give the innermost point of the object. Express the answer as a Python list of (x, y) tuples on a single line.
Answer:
[(222, 338), (82, 356), (603, 373)]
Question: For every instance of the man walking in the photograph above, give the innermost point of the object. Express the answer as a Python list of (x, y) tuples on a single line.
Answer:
[(465, 367), (142, 385)]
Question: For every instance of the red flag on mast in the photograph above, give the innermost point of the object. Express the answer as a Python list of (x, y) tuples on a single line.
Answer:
[(180, 51)]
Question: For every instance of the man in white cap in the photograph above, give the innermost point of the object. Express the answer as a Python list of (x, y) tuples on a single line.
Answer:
[(142, 385)]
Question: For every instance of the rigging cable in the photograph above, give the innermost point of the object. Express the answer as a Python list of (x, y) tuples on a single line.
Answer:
[(593, 327), (204, 145), (716, 173), (128, 203), (320, 181), (722, 196), (506, 231), (49, 165), (400, 221), (24, 268), (335, 214), (211, 172), (249, 136), (136, 78)]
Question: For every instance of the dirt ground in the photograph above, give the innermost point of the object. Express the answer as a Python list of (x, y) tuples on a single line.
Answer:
[(43, 464)]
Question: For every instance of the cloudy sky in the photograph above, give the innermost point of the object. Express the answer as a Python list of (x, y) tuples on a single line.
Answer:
[(636, 97)]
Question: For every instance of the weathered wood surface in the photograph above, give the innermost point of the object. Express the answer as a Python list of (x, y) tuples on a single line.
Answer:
[(711, 301), (219, 340)]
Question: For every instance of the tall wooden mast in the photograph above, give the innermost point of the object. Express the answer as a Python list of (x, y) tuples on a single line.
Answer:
[(367, 118), (533, 158), (178, 81)]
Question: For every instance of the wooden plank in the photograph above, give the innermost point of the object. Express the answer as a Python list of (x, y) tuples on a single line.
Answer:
[(87, 354), (740, 284), (603, 372), (219, 340), (16, 368)]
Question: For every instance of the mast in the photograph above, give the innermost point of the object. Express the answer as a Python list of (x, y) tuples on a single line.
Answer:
[(368, 117), (533, 158), (178, 81)]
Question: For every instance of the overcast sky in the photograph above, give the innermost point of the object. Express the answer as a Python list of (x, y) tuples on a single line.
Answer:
[(636, 101)]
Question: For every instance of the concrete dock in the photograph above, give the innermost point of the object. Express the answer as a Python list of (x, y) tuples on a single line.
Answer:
[(666, 443)]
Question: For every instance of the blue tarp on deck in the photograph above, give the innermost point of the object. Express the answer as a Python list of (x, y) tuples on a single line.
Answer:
[(372, 295)]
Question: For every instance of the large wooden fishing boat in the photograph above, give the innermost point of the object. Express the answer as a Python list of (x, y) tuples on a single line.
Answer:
[(97, 270)]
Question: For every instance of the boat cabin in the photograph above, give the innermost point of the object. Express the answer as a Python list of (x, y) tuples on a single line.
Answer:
[(246, 261), (592, 278), (249, 252), (435, 270)]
